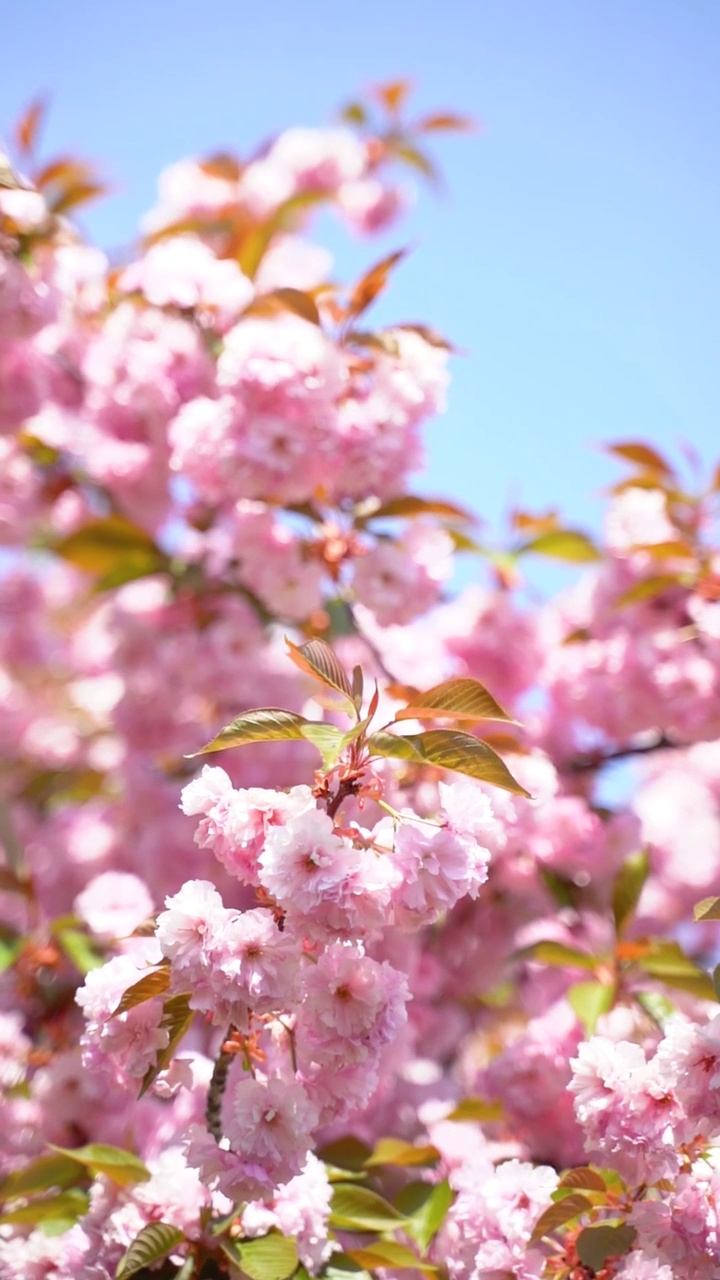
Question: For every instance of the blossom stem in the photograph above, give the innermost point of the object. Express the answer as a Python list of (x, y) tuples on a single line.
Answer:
[(218, 1081)]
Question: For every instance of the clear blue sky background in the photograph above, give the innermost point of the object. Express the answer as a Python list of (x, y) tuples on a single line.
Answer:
[(575, 256)]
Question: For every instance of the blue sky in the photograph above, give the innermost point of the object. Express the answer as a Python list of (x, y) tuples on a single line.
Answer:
[(575, 254)]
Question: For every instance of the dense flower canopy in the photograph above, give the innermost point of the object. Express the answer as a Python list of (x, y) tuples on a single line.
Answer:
[(403, 983)]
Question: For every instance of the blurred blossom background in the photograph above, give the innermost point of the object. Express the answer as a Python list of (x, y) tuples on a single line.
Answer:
[(571, 253)]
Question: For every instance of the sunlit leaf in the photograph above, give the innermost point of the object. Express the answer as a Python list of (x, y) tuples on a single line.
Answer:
[(121, 1167), (557, 953), (393, 94), (412, 155), (287, 217), (295, 300), (461, 698), (558, 1214), (357, 1208), (353, 113), (603, 1240), (271, 1257), (153, 1242), (476, 1109), (263, 724), (671, 549), (388, 1253), (583, 1179), (394, 1151), (326, 739), (317, 659), (66, 1207), (563, 544), (648, 589), (79, 948), (667, 962), (590, 1000), (73, 197), (425, 1206), (373, 282), (110, 543), (708, 909), (448, 749), (410, 505), (642, 455), (151, 984)]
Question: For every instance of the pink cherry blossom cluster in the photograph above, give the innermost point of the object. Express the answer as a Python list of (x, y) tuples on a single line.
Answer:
[(446, 1007)]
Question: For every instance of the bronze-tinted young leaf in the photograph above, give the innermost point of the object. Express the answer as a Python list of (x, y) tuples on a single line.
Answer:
[(263, 724), (412, 155), (558, 1214), (627, 888), (153, 1242), (389, 1254), (28, 126), (372, 283), (648, 589), (353, 113), (73, 196), (287, 217), (446, 122), (432, 336), (448, 749), (176, 1020), (642, 455), (590, 1000), (408, 504), (271, 1257), (121, 1167), (425, 1206), (671, 549), (152, 984), (563, 544), (603, 1240), (394, 1151), (357, 1208), (317, 659), (708, 909), (476, 1109), (301, 304), (393, 94), (583, 1178), (108, 543), (460, 699)]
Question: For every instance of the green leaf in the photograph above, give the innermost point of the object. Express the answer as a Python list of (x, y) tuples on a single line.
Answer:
[(627, 888), (425, 1207), (152, 984), (78, 948), (345, 1153), (358, 684), (65, 1207), (394, 1151), (263, 724), (708, 909), (327, 739), (558, 1214), (317, 659), (667, 962), (604, 1240), (448, 749), (563, 544), (557, 953), (176, 1020), (359, 1209), (121, 1167), (41, 1175), (590, 1000), (462, 699), (110, 544), (153, 1242), (388, 1253), (271, 1257), (476, 1109)]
